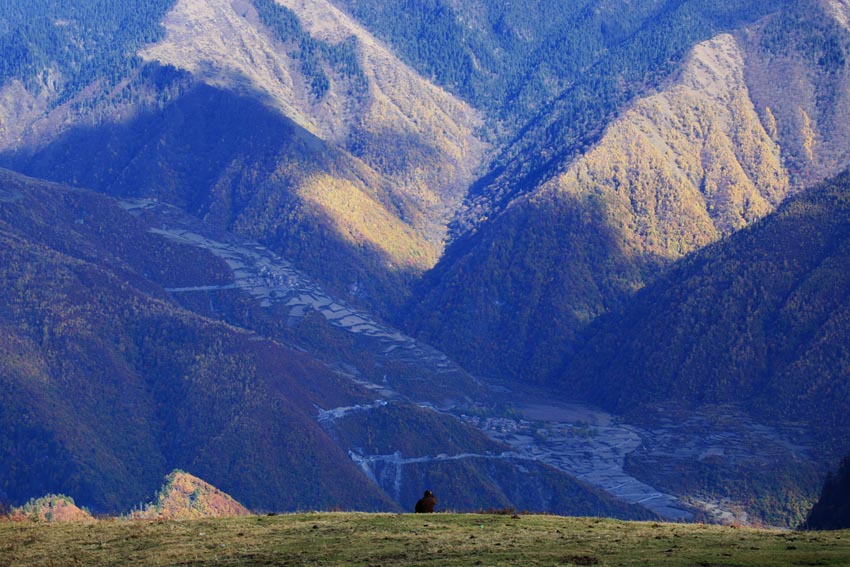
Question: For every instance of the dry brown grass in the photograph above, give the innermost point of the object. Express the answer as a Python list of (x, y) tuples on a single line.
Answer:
[(437, 539)]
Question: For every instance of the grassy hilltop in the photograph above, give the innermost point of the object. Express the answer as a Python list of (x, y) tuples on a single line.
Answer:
[(440, 539)]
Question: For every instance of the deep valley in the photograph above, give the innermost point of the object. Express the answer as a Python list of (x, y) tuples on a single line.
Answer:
[(583, 258)]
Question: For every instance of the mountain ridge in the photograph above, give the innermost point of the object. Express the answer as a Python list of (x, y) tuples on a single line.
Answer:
[(780, 284), (379, 209), (673, 172)]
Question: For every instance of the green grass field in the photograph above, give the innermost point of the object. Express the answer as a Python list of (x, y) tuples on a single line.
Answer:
[(437, 539)]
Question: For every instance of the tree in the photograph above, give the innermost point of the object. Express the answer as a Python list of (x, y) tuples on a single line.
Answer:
[(832, 510)]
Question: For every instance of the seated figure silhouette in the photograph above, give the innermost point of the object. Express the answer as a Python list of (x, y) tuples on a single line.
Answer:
[(425, 505)]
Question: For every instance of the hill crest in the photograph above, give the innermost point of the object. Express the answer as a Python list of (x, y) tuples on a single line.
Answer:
[(184, 496), (50, 508)]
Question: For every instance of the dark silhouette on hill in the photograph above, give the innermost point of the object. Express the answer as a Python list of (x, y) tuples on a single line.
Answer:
[(426, 504)]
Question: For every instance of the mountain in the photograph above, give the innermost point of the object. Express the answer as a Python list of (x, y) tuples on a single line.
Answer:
[(754, 328), (516, 61), (110, 382), (107, 375), (65, 47), (184, 497), (507, 59), (322, 231), (831, 511), (719, 145), (623, 55), (291, 125), (759, 319), (356, 185)]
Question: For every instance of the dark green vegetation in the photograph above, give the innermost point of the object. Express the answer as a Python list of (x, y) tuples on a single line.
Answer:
[(832, 510), (485, 51), (342, 57), (438, 539), (510, 306), (513, 59), (81, 41), (552, 74), (794, 32), (760, 319)]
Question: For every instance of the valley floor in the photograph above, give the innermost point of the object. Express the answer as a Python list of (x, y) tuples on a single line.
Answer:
[(439, 539), (595, 446)]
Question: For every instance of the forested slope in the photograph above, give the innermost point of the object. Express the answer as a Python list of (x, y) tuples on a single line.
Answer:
[(717, 147), (286, 124), (241, 166), (67, 45), (107, 384), (760, 320), (551, 76)]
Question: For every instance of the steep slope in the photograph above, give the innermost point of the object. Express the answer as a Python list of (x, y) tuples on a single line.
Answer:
[(107, 384), (676, 171), (240, 166), (184, 497), (356, 181), (58, 51), (797, 74), (400, 125), (758, 320), (657, 39), (508, 59), (754, 328), (77, 43)]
